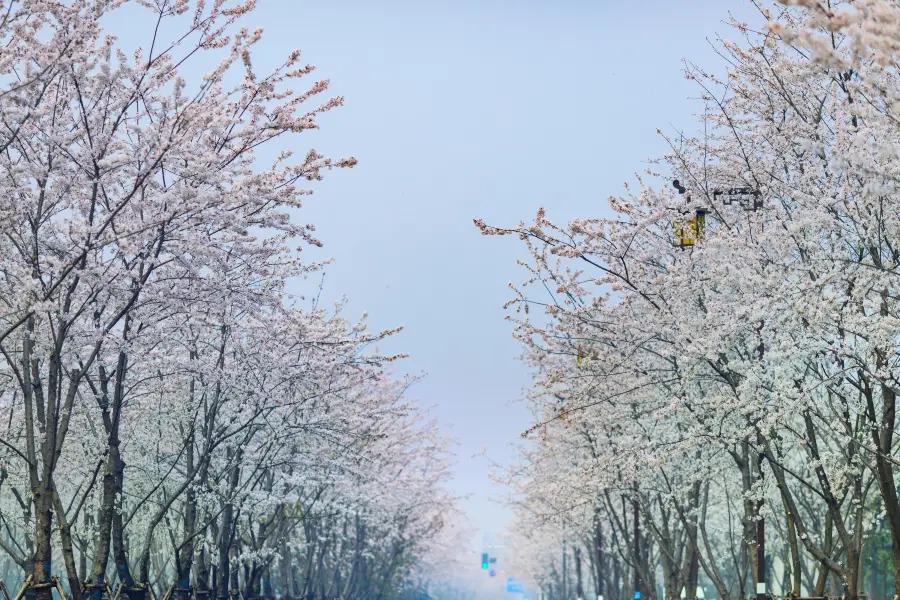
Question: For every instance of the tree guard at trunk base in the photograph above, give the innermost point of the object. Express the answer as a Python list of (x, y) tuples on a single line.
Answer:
[(96, 590), (38, 591), (189, 592), (141, 591)]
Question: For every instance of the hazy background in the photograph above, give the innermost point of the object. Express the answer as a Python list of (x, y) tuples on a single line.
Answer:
[(489, 109)]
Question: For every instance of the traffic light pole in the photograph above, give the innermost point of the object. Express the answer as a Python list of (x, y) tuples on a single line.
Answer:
[(761, 559), (637, 552), (760, 542), (599, 550)]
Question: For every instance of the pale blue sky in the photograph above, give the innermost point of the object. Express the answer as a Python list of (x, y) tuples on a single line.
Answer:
[(468, 109), (483, 109)]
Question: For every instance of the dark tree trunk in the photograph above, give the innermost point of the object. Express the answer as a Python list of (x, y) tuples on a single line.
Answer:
[(43, 551), (579, 587), (227, 528)]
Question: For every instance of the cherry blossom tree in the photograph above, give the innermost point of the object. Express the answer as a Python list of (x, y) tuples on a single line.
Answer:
[(171, 411), (755, 367)]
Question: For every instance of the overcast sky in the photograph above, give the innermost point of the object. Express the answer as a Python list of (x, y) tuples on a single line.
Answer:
[(487, 109)]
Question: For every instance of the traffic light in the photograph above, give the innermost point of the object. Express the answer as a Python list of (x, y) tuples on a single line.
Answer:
[(484, 560)]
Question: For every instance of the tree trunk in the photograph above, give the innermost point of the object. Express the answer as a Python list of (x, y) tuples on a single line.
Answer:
[(43, 551), (65, 534), (226, 534), (794, 552), (823, 568), (579, 587)]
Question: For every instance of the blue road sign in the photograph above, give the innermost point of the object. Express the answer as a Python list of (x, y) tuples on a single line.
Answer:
[(514, 586)]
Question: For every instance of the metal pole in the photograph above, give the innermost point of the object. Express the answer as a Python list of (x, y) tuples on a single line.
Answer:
[(637, 553), (760, 541), (761, 559), (564, 567), (599, 554)]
